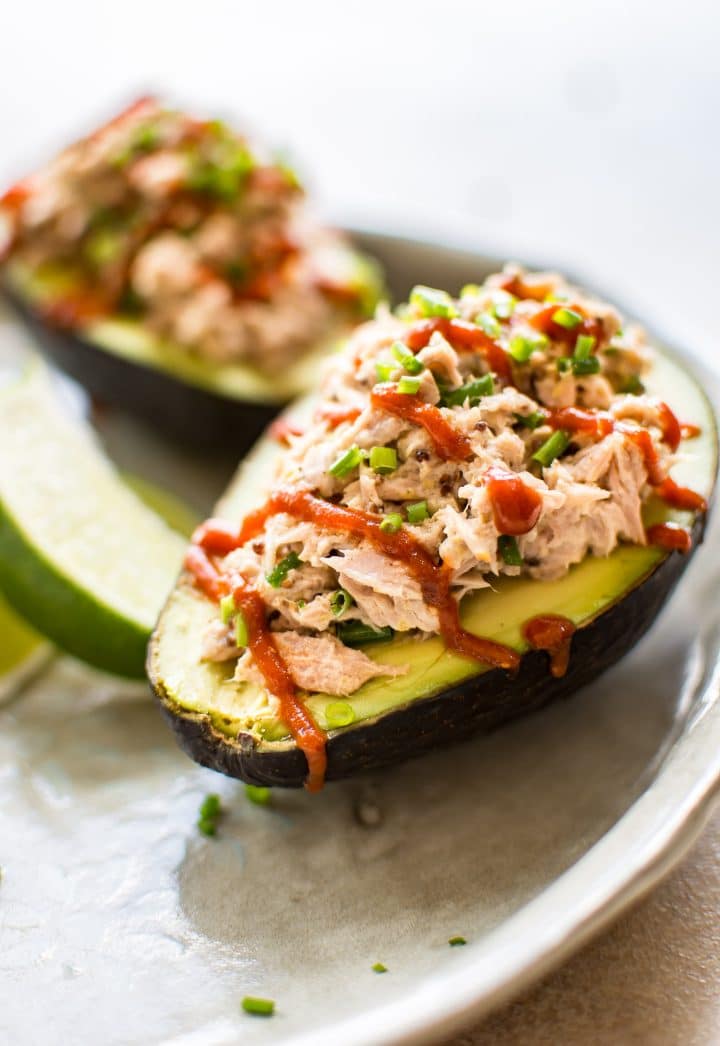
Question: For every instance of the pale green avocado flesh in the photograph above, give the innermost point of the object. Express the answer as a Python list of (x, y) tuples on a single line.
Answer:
[(190, 685), (132, 341)]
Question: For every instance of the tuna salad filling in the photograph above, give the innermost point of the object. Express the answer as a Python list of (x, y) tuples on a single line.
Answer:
[(505, 432), (184, 223)]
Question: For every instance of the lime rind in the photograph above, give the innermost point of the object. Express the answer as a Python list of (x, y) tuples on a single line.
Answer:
[(82, 558)]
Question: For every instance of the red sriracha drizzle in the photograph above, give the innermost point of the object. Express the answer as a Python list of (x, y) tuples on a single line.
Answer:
[(670, 536), (551, 632), (449, 443), (464, 337), (516, 507), (217, 538)]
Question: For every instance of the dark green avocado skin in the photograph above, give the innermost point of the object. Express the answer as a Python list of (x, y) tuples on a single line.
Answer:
[(475, 706), (195, 418)]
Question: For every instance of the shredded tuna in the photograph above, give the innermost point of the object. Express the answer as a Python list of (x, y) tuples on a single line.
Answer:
[(584, 502), (322, 664), (186, 224)]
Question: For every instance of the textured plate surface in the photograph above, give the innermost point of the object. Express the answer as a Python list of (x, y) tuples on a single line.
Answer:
[(120, 924)]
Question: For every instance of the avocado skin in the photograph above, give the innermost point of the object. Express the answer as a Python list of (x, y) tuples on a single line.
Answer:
[(197, 419), (477, 705)]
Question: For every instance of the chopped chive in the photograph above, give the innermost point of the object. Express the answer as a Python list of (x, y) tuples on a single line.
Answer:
[(473, 392), (301, 604), (454, 942), (522, 346), (347, 462), (470, 290), (290, 562), (209, 814), (564, 364), (391, 523), (590, 366), (227, 609), (552, 448), (356, 633), (383, 459), (340, 601), (408, 359), (339, 713), (409, 386), (418, 512), (503, 304), (633, 386), (509, 551), (430, 301), (257, 794), (487, 322), (146, 138), (210, 807), (583, 346), (241, 630), (531, 421), (384, 371), (379, 967), (567, 318), (258, 1007)]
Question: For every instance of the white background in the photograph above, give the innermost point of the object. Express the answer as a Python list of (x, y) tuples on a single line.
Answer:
[(585, 134)]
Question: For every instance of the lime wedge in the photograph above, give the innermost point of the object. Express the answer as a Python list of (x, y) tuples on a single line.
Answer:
[(82, 559), (23, 653)]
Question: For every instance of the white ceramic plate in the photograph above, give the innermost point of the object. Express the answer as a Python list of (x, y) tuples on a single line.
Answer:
[(120, 925)]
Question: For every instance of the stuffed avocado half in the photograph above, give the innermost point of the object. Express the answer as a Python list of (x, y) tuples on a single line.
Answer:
[(486, 505), (174, 269)]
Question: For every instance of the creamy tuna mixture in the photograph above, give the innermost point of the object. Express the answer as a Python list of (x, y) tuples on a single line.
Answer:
[(185, 223), (556, 448)]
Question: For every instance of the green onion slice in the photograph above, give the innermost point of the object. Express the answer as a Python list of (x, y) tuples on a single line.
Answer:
[(391, 523), (531, 421), (454, 942), (408, 358), (258, 794), (289, 562), (470, 290), (429, 301), (567, 318), (347, 462), (418, 512), (383, 459), (473, 392), (210, 807), (379, 967), (583, 346), (552, 448), (340, 602), (356, 633), (384, 371), (227, 609), (509, 550), (258, 1007), (522, 346), (590, 366), (409, 386)]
